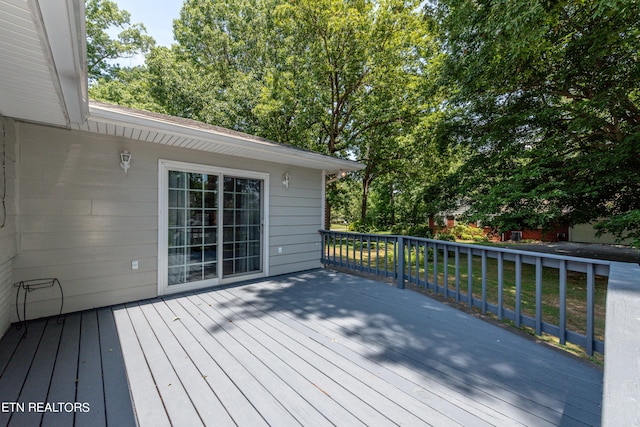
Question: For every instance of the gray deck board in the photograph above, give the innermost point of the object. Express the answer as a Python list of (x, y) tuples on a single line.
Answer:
[(149, 408), (279, 360), (174, 396), (480, 383), (316, 348), (90, 384), (36, 385), (329, 355), (231, 397), (17, 369), (237, 366), (360, 390), (202, 397), (117, 404), (63, 380)]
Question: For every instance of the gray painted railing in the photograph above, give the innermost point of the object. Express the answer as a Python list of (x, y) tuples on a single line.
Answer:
[(428, 263)]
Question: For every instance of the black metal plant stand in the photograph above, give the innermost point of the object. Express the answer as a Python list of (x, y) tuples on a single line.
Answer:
[(28, 286)]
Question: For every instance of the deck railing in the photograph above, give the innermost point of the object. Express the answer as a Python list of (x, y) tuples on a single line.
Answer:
[(558, 295)]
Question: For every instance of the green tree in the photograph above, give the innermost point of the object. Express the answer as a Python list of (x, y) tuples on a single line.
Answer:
[(131, 39), (545, 95), (358, 71), (129, 87)]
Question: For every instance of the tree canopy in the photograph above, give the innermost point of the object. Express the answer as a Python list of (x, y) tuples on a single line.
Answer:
[(131, 39), (527, 113), (545, 97)]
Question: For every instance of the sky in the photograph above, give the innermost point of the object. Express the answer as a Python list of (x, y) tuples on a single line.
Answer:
[(157, 16)]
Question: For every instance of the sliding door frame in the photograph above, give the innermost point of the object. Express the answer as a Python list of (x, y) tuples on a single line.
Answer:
[(164, 166)]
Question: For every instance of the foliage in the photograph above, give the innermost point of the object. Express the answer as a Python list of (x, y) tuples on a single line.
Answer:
[(468, 233), (544, 96), (129, 87), (419, 230), (102, 16)]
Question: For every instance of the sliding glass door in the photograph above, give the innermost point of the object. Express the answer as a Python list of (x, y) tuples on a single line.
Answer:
[(213, 221)]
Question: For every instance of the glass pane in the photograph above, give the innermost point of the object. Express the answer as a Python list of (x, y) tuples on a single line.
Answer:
[(195, 181), (210, 253), (177, 237), (177, 179), (254, 263), (195, 217), (241, 265), (176, 257), (195, 236), (195, 199), (228, 200), (228, 217), (194, 255), (227, 268), (176, 275), (210, 218), (176, 218), (176, 198), (211, 270), (210, 236), (229, 184), (228, 234), (210, 200), (210, 182), (195, 273)]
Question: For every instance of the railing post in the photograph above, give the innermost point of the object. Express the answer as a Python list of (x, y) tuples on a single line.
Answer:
[(400, 261)]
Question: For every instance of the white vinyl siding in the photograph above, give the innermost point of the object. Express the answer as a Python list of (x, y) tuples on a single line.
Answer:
[(83, 220), (8, 231)]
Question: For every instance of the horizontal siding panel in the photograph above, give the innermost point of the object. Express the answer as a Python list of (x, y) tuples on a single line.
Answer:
[(104, 207), (295, 221), (312, 193), (69, 190), (297, 211), (39, 258), (8, 239), (55, 206), (59, 224), (284, 230), (293, 239), (295, 258), (85, 239), (88, 271), (115, 177), (306, 202)]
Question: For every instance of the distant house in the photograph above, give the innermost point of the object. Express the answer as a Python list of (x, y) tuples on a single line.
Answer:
[(195, 206)]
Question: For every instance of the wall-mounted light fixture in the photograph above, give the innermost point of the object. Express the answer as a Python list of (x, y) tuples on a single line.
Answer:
[(125, 160), (339, 175), (286, 179)]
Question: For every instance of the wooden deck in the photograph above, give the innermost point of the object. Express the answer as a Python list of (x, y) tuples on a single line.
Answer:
[(313, 349)]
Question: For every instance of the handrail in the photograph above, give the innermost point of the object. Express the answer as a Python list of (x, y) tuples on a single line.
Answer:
[(442, 269)]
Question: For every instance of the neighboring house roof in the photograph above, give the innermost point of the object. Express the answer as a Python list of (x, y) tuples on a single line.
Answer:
[(43, 79), (157, 128), (43, 75)]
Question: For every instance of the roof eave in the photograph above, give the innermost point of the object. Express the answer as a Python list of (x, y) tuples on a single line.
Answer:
[(254, 147)]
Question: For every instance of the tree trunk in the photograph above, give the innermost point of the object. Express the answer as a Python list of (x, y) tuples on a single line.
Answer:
[(366, 186)]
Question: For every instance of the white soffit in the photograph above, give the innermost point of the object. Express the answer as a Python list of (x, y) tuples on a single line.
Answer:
[(42, 57), (140, 125)]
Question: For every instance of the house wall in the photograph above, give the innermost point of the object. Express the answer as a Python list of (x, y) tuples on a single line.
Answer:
[(83, 220), (8, 234), (585, 233)]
